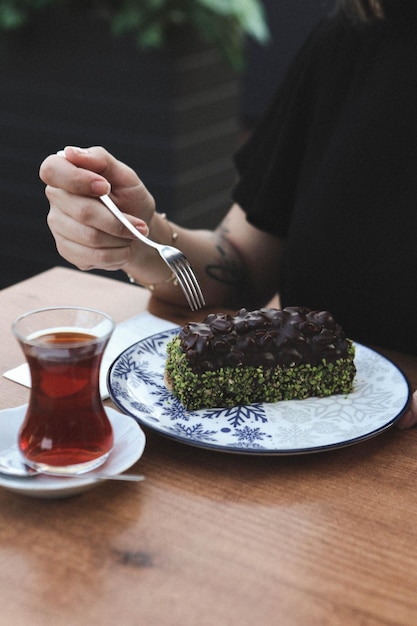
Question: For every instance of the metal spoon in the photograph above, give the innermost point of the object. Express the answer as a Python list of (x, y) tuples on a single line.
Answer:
[(11, 464)]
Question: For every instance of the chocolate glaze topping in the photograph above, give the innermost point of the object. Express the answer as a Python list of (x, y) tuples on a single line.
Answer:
[(267, 337)]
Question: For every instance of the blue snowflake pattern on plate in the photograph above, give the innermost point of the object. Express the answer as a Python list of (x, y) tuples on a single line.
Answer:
[(381, 393)]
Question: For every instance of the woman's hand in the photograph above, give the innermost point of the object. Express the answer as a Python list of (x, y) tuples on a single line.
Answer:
[(86, 233)]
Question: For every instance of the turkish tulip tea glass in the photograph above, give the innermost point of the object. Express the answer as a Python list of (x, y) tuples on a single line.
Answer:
[(66, 429)]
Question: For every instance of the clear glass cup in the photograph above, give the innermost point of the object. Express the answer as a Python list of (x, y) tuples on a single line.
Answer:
[(66, 428)]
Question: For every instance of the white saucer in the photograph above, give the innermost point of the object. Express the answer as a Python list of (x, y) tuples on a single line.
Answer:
[(123, 456)]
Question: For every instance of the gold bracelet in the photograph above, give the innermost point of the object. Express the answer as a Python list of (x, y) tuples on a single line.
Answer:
[(172, 278), (174, 234), (152, 286)]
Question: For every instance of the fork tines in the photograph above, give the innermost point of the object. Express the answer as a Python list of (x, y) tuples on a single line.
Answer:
[(188, 283)]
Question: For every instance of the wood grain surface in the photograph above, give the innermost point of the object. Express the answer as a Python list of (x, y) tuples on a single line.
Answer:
[(209, 538)]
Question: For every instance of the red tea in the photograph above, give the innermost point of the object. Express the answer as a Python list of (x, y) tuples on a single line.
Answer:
[(65, 422)]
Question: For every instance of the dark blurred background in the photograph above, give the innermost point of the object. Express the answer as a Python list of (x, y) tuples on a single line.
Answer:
[(148, 114), (290, 22)]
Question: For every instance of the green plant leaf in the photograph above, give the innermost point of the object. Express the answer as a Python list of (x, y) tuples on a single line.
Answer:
[(151, 37), (249, 14), (253, 19), (10, 16)]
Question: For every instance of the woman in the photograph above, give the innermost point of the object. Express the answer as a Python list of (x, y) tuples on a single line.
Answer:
[(326, 195)]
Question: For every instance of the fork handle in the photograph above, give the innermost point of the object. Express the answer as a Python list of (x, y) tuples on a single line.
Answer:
[(108, 202)]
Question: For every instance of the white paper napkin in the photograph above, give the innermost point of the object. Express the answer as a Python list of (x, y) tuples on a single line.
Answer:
[(125, 334)]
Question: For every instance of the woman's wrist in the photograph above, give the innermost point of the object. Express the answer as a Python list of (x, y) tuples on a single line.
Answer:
[(152, 286), (164, 233), (162, 230)]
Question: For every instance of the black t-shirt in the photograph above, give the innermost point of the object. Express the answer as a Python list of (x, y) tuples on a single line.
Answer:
[(333, 170)]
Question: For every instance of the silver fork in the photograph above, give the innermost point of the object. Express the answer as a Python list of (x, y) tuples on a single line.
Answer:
[(174, 258)]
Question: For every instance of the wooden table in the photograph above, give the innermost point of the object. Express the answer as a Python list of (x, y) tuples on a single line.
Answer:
[(209, 538)]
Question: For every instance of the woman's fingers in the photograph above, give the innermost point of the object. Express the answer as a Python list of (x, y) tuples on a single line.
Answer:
[(57, 171), (88, 212), (86, 246), (93, 172), (87, 234)]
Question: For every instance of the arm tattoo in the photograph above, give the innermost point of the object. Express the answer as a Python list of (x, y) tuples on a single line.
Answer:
[(226, 270)]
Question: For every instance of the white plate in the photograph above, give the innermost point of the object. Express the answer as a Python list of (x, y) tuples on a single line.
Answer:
[(380, 396), (123, 455)]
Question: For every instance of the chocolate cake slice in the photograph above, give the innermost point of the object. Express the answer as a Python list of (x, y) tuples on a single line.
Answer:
[(265, 355)]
